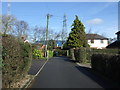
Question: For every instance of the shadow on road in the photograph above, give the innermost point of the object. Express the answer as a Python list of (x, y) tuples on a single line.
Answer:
[(93, 75), (101, 80)]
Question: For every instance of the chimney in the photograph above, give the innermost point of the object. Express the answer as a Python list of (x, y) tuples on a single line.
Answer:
[(23, 38)]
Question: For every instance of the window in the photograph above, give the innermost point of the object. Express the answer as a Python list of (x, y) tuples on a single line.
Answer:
[(102, 41), (92, 41)]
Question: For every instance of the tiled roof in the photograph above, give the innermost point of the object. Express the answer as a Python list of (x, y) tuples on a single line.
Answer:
[(115, 44), (95, 36), (118, 32)]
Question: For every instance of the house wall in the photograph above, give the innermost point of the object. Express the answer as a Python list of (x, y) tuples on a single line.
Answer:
[(97, 44), (118, 37)]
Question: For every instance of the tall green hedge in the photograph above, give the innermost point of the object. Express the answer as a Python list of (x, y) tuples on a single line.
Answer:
[(107, 64), (84, 54), (17, 57)]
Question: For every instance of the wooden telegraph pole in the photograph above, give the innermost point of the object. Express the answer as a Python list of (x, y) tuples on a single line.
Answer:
[(46, 53)]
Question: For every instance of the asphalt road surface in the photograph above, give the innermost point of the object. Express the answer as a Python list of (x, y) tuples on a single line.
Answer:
[(60, 72)]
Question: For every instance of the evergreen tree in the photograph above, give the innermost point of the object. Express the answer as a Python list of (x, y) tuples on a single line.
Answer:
[(77, 36)]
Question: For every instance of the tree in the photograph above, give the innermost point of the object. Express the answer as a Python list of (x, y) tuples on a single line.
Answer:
[(38, 34), (51, 44), (21, 28), (77, 36), (8, 22)]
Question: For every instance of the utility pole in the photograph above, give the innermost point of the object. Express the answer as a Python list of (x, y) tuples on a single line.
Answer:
[(46, 53)]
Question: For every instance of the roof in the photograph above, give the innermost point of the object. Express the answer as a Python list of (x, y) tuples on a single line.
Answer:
[(118, 32), (115, 44), (95, 36)]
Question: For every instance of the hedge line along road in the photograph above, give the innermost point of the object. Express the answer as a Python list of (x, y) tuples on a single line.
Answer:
[(61, 72)]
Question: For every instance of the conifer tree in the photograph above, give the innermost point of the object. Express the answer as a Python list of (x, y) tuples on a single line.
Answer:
[(77, 36)]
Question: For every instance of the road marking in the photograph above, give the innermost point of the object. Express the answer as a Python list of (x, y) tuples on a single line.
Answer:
[(41, 68), (36, 74)]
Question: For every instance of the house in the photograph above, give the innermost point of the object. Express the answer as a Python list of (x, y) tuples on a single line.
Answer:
[(97, 41), (115, 44)]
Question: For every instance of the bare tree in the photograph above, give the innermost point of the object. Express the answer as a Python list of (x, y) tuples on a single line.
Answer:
[(38, 34), (8, 22), (21, 28)]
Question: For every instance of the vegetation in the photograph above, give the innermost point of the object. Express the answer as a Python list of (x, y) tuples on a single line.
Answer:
[(77, 36), (51, 44), (7, 23), (59, 52), (107, 64), (83, 55), (17, 57), (50, 54), (37, 54)]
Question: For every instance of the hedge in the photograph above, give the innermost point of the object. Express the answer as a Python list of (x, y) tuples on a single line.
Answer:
[(105, 51), (17, 57), (107, 64), (84, 54)]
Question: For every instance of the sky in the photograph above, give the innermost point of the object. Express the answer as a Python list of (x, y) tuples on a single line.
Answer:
[(100, 17)]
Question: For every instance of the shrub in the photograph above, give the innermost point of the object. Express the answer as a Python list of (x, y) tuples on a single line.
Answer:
[(107, 64), (105, 51), (37, 54), (82, 55), (26, 53), (50, 54), (16, 57)]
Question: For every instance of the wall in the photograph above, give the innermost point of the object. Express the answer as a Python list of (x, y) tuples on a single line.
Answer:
[(97, 44)]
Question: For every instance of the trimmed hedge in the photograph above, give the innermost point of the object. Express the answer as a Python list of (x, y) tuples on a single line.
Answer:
[(105, 51), (17, 57), (107, 64), (84, 54)]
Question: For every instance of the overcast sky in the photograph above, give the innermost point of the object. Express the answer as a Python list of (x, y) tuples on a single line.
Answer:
[(101, 17)]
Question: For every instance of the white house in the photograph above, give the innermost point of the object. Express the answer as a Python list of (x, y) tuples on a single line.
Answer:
[(97, 41)]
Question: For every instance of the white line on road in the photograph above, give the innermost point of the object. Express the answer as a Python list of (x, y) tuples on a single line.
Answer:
[(36, 75)]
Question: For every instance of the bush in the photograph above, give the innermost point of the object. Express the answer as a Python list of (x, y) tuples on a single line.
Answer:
[(50, 54), (82, 55), (17, 58), (105, 51), (107, 64), (26, 53), (37, 54)]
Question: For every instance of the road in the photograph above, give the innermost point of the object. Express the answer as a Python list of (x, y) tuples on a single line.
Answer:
[(60, 72)]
